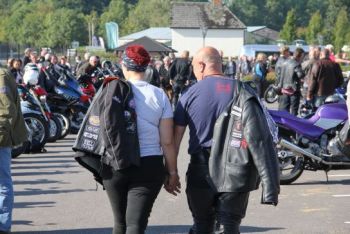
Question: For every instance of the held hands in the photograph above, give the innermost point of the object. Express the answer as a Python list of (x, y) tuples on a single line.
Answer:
[(172, 183)]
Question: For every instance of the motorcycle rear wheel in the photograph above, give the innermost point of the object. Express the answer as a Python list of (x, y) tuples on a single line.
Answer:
[(291, 166), (270, 95)]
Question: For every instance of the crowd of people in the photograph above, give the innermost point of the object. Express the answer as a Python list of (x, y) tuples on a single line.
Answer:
[(159, 111)]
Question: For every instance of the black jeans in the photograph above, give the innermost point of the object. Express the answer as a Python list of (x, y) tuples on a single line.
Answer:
[(177, 89), (132, 192), (200, 196), (289, 103), (207, 206), (231, 209)]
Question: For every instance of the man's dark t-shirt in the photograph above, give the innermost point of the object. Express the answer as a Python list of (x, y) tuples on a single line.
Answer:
[(199, 108)]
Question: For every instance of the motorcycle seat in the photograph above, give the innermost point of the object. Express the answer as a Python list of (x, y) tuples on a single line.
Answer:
[(301, 126)]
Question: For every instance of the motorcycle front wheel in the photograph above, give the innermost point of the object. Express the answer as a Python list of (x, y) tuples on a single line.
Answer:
[(18, 150), (55, 129), (65, 124), (270, 94), (40, 129), (291, 166)]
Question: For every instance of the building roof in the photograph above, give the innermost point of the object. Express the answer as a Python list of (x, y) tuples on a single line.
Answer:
[(197, 14), (267, 33), (254, 28), (161, 33), (149, 44)]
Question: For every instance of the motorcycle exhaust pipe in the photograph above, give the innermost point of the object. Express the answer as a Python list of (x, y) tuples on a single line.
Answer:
[(297, 149)]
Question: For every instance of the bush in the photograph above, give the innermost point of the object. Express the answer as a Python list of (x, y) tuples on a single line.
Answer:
[(270, 77), (102, 54)]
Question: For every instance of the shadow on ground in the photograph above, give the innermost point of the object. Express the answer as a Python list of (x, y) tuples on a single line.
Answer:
[(167, 229), (323, 181)]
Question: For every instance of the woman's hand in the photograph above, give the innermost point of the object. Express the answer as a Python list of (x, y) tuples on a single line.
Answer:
[(172, 184)]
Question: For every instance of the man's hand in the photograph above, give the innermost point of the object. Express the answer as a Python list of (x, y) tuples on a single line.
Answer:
[(172, 184)]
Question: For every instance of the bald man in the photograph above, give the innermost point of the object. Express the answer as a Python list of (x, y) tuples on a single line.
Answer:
[(199, 108), (87, 69)]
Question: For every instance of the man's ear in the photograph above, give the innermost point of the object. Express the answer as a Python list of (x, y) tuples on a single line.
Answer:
[(202, 66)]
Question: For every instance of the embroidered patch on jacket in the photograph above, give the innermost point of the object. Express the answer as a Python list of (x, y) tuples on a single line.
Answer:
[(237, 134), (237, 111), (3, 89), (244, 144), (94, 120), (131, 104), (236, 143), (115, 98)]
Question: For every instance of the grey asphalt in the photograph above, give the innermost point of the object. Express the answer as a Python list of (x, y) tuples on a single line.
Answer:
[(55, 195)]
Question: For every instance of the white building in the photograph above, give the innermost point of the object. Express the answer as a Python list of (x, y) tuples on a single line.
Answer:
[(194, 24)]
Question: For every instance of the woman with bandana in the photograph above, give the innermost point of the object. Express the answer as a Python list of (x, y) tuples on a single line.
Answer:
[(132, 191)]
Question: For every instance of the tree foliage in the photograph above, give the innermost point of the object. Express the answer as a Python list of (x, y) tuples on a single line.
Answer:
[(289, 30), (341, 29), (314, 28), (147, 13), (56, 23), (117, 12)]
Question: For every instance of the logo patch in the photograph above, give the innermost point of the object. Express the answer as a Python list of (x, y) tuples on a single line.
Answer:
[(236, 143), (3, 89), (94, 120)]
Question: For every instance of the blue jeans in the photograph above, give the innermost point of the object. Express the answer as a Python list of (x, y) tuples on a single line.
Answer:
[(6, 189)]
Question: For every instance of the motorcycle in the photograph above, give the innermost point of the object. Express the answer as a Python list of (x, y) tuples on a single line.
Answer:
[(317, 143), (68, 103), (55, 125), (35, 119), (307, 110)]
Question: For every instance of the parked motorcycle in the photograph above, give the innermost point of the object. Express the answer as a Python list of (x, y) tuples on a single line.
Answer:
[(317, 143), (68, 103), (35, 120), (55, 125)]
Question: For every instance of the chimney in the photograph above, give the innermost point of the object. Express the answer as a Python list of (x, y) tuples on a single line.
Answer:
[(217, 3)]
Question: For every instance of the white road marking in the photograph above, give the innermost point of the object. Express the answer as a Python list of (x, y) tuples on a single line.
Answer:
[(346, 175), (347, 222), (341, 195)]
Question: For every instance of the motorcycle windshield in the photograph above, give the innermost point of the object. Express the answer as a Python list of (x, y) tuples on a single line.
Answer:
[(74, 85), (67, 93)]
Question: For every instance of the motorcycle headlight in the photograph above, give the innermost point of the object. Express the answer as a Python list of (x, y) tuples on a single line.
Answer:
[(43, 98)]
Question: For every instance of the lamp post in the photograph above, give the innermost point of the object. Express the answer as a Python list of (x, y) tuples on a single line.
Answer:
[(204, 29)]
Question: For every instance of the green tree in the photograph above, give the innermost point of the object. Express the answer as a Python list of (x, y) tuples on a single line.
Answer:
[(147, 13), (63, 26), (117, 12), (315, 28), (289, 30), (341, 29), (14, 30)]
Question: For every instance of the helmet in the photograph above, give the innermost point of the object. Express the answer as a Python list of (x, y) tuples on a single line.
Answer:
[(335, 98), (31, 74), (107, 64)]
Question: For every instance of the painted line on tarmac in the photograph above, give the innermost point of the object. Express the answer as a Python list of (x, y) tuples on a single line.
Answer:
[(347, 222), (341, 195), (345, 175)]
